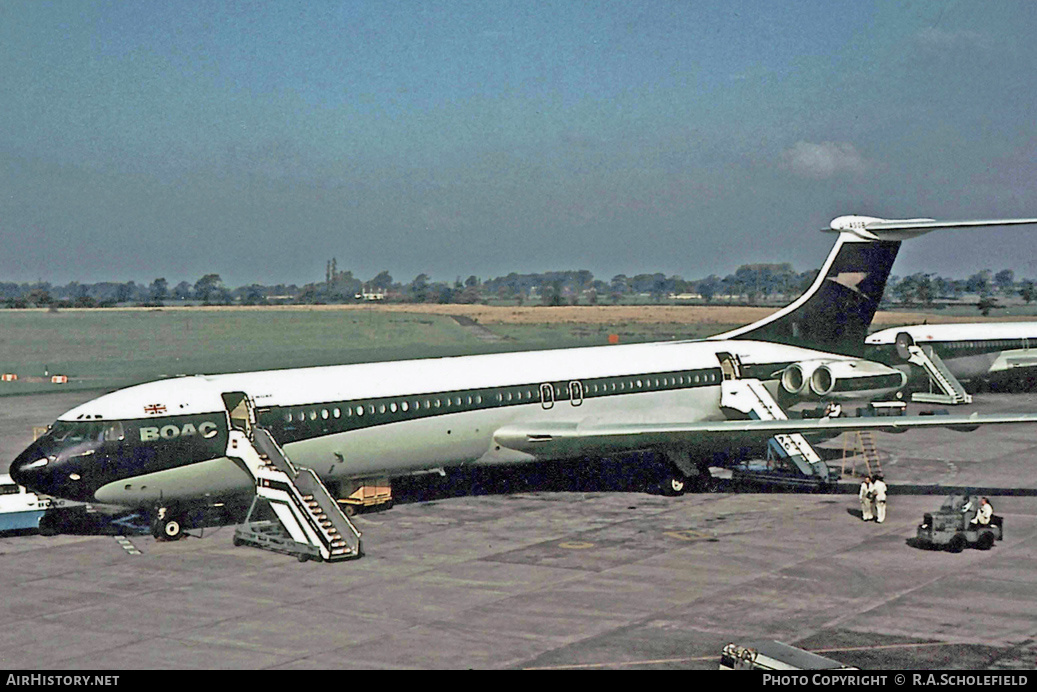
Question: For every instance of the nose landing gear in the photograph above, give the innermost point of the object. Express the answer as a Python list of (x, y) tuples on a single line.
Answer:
[(167, 525)]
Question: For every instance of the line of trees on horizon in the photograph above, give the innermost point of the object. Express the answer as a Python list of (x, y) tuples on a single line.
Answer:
[(753, 284)]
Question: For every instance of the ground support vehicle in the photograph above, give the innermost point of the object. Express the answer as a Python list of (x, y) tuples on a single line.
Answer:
[(951, 528), (365, 494), (773, 655)]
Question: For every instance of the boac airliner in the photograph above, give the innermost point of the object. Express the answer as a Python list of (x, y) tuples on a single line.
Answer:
[(164, 445)]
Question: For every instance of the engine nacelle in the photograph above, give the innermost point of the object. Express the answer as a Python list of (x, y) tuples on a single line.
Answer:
[(854, 379), (795, 378)]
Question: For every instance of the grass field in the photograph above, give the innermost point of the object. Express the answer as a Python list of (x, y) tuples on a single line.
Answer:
[(106, 349), (112, 348)]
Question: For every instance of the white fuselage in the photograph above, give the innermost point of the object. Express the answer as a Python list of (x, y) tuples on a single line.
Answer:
[(969, 350), (355, 421)]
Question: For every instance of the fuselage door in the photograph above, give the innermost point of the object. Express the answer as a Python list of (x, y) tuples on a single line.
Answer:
[(547, 395), (575, 392), (240, 411), (730, 366)]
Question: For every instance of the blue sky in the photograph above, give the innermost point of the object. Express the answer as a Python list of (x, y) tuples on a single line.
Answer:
[(258, 140)]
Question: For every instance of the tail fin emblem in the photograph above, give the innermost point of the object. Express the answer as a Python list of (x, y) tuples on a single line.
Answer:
[(850, 280)]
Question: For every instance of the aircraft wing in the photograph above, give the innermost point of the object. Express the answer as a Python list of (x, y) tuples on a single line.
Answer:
[(549, 440)]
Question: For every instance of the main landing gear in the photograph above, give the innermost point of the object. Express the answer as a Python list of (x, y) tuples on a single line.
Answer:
[(674, 482)]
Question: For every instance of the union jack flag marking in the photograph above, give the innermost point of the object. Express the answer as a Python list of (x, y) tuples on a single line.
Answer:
[(155, 409)]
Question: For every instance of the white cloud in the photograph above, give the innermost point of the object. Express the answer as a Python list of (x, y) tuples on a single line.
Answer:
[(824, 159), (943, 41)]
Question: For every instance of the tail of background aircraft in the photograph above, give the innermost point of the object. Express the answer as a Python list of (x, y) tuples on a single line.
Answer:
[(835, 313)]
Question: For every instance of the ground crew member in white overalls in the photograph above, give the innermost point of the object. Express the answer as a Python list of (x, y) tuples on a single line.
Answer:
[(865, 498), (878, 489), (982, 517)]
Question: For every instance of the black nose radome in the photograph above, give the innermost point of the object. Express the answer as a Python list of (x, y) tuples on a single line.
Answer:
[(30, 469)]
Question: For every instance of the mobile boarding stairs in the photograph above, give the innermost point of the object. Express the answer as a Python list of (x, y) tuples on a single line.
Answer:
[(309, 522), (950, 389), (749, 396)]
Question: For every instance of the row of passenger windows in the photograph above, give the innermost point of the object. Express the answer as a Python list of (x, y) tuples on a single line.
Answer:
[(403, 405), (574, 390), (649, 383), (1003, 344)]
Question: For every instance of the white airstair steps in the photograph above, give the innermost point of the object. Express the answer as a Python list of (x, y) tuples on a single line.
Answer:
[(951, 390), (751, 397), (314, 526)]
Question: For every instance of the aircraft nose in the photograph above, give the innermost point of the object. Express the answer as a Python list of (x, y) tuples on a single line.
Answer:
[(30, 469)]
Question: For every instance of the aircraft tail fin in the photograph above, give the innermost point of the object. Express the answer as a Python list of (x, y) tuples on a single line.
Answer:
[(835, 313)]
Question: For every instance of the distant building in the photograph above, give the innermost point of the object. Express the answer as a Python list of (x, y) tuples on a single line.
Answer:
[(371, 294)]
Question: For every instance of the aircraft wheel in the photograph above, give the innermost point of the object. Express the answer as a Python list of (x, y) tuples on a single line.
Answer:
[(172, 529), (986, 541), (956, 544), (674, 484)]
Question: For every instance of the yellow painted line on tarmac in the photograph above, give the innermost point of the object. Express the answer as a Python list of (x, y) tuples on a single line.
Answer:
[(659, 661), (576, 545), (878, 647)]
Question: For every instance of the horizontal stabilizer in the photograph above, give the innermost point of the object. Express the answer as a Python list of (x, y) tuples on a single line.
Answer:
[(873, 228)]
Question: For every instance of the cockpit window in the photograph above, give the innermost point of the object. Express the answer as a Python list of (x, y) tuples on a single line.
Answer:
[(66, 431), (114, 432)]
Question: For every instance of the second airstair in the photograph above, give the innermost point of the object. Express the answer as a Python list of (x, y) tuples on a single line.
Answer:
[(950, 389), (861, 444), (309, 523), (751, 397)]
